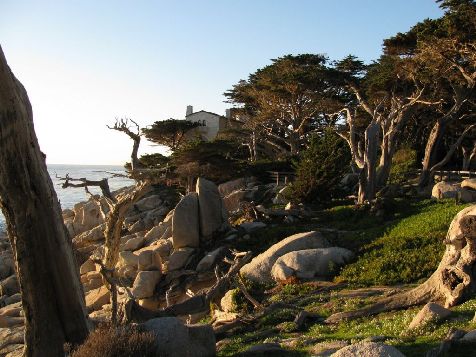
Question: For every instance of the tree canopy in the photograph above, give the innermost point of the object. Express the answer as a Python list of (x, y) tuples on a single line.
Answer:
[(169, 133)]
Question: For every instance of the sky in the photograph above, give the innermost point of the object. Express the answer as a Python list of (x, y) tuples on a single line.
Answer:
[(86, 62)]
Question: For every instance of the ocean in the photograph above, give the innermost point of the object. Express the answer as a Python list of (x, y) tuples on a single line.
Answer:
[(70, 196)]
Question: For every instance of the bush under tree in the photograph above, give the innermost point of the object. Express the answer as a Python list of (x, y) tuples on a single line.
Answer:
[(320, 168)]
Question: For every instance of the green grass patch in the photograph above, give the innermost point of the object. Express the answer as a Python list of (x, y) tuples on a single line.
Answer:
[(409, 248)]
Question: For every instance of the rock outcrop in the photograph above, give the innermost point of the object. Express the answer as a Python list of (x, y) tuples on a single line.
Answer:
[(185, 222), (368, 349), (310, 263), (213, 216), (174, 338), (259, 269)]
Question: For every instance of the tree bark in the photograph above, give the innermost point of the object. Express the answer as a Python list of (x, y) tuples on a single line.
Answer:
[(114, 222), (52, 296), (368, 175), (429, 159), (468, 156)]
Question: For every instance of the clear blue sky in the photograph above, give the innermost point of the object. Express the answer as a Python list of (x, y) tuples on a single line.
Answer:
[(84, 62)]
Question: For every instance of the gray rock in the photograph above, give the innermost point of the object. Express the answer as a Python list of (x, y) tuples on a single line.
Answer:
[(149, 260), (87, 215), (228, 301), (179, 258), (310, 263), (208, 261), (148, 203), (250, 227), (210, 208), (132, 242), (445, 190), (87, 266), (145, 283), (95, 234), (431, 312), (327, 348), (155, 233), (259, 269), (262, 348), (9, 286), (7, 265), (185, 226), (368, 349), (127, 258), (233, 200), (176, 339), (469, 337), (467, 196), (469, 183), (230, 186)]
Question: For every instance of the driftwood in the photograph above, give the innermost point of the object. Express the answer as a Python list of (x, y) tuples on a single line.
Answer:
[(195, 304), (84, 182), (452, 283)]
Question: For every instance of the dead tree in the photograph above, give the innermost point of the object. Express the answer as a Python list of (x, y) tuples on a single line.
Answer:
[(383, 132), (52, 296), (123, 125), (115, 220), (454, 61), (453, 282), (468, 156), (451, 151), (114, 216), (83, 182)]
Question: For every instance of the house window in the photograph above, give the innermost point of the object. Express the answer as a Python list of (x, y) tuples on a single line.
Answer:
[(204, 123)]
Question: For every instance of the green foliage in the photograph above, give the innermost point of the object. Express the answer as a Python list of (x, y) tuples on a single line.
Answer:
[(170, 132), (320, 168), (403, 162), (299, 82), (414, 241), (151, 161), (214, 160)]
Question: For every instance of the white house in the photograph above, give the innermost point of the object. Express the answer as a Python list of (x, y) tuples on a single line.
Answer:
[(210, 123)]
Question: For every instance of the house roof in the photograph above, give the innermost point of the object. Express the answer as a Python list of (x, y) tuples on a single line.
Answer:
[(204, 111)]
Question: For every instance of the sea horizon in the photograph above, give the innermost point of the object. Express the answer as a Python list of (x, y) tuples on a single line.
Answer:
[(70, 196)]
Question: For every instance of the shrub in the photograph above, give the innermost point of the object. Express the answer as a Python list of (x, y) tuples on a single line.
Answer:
[(120, 341), (320, 168), (404, 161)]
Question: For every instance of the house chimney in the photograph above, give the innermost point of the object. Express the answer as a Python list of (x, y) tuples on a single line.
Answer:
[(189, 110), (228, 113)]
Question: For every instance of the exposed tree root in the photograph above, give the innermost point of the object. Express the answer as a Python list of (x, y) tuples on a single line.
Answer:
[(452, 283)]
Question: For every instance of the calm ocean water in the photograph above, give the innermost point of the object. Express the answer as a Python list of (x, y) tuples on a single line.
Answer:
[(70, 196)]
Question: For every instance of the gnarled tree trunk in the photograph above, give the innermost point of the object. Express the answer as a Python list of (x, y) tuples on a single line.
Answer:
[(452, 283), (52, 296), (368, 175)]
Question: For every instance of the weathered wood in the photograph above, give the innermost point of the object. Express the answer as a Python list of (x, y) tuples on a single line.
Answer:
[(52, 296)]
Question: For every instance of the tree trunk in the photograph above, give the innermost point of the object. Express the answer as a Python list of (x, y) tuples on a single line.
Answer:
[(368, 175), (431, 150), (468, 156), (114, 222), (135, 163), (52, 296), (453, 282)]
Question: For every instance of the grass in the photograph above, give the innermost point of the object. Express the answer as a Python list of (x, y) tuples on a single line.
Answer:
[(403, 246), (407, 242)]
